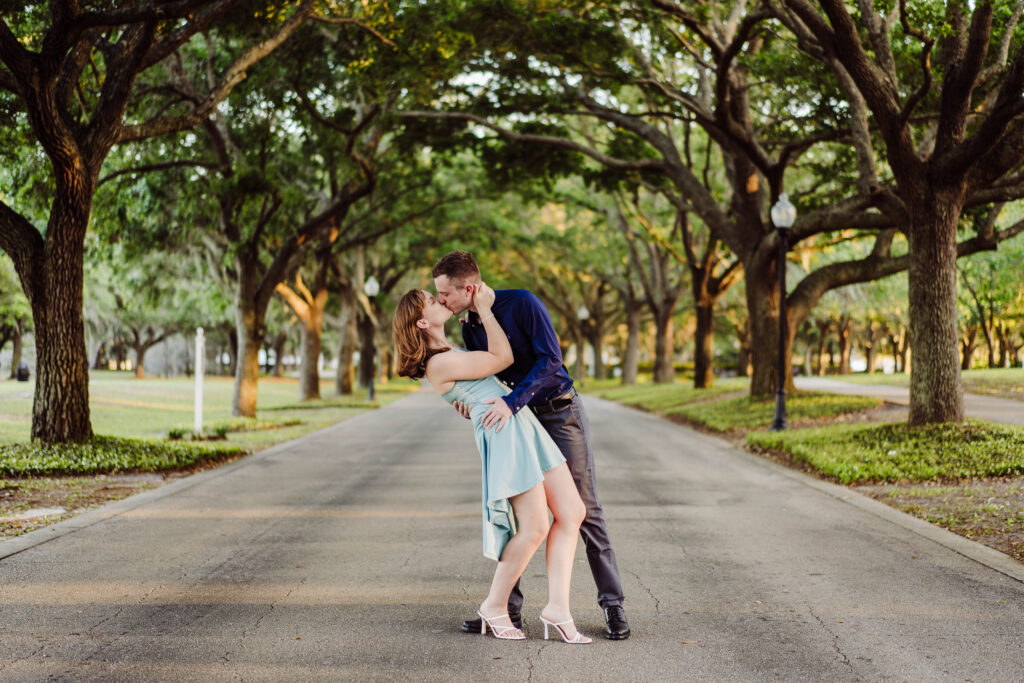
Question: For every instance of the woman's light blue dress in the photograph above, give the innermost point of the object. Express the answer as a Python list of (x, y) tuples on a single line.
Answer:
[(514, 459)]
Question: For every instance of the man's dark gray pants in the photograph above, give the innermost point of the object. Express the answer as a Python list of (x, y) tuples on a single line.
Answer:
[(570, 430)]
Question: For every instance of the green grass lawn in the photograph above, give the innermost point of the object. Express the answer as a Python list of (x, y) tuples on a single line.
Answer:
[(895, 452), (123, 406), (725, 406), (1002, 382), (744, 412), (662, 397)]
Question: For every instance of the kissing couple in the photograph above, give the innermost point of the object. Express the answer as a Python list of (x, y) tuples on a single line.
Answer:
[(534, 461)]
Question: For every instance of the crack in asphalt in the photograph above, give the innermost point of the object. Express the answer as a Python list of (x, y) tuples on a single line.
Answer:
[(835, 640), (531, 663), (657, 603), (30, 655), (107, 642), (270, 609)]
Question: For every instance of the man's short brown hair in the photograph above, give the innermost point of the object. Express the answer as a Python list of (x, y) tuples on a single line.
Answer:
[(457, 266)]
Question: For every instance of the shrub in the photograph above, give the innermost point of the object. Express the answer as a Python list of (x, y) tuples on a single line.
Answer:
[(897, 452), (106, 454)]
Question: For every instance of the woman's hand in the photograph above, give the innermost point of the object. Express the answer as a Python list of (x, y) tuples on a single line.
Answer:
[(483, 298)]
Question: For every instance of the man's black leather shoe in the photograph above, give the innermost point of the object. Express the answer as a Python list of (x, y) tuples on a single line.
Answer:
[(473, 625), (618, 627)]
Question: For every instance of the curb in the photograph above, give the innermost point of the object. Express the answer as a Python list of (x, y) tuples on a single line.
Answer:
[(972, 550), (19, 544)]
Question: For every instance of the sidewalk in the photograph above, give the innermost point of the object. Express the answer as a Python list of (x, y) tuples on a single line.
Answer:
[(975, 405)]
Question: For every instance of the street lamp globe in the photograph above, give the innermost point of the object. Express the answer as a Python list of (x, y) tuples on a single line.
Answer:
[(783, 213), (371, 287)]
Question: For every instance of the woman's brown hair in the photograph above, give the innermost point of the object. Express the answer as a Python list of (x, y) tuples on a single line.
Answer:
[(410, 340)]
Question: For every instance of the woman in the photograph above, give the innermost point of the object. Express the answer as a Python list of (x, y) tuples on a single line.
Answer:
[(524, 473)]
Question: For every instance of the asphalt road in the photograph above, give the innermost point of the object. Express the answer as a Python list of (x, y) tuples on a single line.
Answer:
[(354, 553)]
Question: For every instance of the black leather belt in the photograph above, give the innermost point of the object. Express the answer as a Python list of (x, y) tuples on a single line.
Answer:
[(557, 403)]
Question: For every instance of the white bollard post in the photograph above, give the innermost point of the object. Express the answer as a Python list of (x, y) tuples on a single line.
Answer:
[(197, 426)]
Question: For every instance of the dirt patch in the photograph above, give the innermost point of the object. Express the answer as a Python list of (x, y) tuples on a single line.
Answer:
[(989, 511), (71, 495)]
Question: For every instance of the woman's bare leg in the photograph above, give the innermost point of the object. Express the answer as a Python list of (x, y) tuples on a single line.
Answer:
[(532, 527), (568, 511)]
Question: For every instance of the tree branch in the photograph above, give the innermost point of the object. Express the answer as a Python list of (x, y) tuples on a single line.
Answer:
[(9, 83), (878, 33), (24, 244), (12, 53), (563, 143), (962, 69), (841, 40), (235, 74), (147, 12), (149, 168), (306, 232), (340, 21), (209, 13), (926, 63), (999, 63)]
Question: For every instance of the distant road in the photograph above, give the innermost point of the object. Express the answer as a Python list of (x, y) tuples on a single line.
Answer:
[(975, 405)]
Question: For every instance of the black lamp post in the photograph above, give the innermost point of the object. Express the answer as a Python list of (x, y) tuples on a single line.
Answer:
[(783, 216), (372, 288), (583, 313)]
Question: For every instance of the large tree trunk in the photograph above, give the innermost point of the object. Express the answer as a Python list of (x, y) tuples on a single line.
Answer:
[(140, 359), (385, 369), (249, 334), (762, 292), (309, 309), (312, 340), (704, 347), (580, 372), (902, 348), (247, 368), (60, 409), (631, 356), (843, 337), (16, 347), (822, 326), (367, 350), (279, 352), (100, 360), (232, 353), (871, 346), (596, 339), (664, 351), (968, 343), (344, 384), (1003, 344), (936, 391), (746, 355)]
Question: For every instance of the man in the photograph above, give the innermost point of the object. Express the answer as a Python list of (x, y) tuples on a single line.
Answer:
[(539, 381)]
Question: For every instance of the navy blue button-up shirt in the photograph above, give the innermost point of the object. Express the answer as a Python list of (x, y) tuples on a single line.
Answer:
[(537, 373)]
